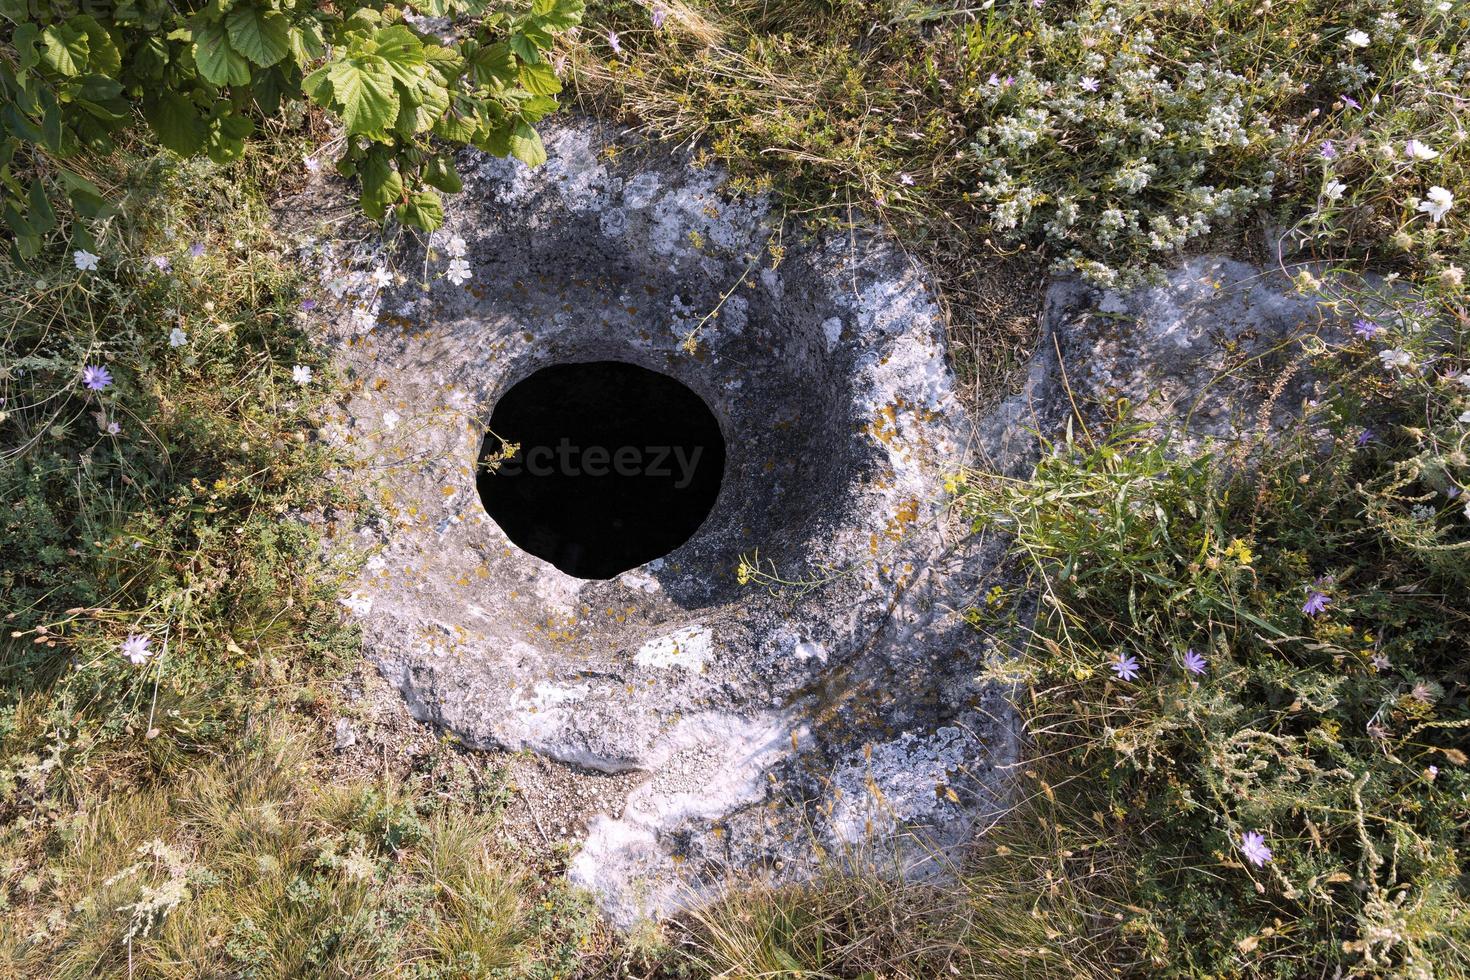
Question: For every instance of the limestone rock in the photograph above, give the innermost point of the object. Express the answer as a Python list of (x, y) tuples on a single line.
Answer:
[(832, 702), (767, 717)]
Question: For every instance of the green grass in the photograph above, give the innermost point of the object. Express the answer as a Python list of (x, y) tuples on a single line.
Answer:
[(1211, 121)]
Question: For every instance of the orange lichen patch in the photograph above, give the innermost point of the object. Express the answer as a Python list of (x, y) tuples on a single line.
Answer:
[(907, 513)]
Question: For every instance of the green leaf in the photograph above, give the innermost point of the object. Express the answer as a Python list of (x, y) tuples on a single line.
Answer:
[(217, 61), (430, 102), (150, 58), (102, 53), (444, 64), (459, 123), (424, 210), (493, 66), (525, 145), (318, 86), (263, 36), (42, 215), (559, 15), (24, 41), (227, 137), (537, 107), (366, 96), (381, 184), (539, 79), (83, 194), (64, 49), (525, 48), (176, 123), (402, 52), (306, 43), (440, 173)]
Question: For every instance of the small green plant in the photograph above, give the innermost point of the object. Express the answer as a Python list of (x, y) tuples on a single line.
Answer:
[(1245, 673), (206, 76)]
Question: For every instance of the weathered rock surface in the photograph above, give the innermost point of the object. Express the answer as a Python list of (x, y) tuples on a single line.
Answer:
[(768, 721), (1198, 356), (765, 718)]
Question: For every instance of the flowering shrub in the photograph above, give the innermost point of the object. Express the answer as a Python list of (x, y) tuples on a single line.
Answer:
[(1107, 135), (1259, 671)]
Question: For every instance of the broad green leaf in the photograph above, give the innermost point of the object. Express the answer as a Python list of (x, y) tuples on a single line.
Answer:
[(84, 195), (177, 123), (525, 145), (227, 137), (382, 185), (493, 66), (217, 61), (24, 41), (524, 47), (150, 58), (102, 53), (539, 79), (562, 14), (459, 123), (366, 96), (428, 103), (440, 173), (424, 210), (444, 64), (42, 216), (402, 52), (306, 43), (537, 107), (495, 139), (263, 36), (64, 49), (318, 86)]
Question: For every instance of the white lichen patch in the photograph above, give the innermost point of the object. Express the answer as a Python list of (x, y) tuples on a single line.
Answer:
[(689, 648)]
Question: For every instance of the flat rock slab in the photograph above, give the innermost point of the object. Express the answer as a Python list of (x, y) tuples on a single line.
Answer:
[(830, 698)]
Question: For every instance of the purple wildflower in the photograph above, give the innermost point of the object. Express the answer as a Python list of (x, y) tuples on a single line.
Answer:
[(612, 42), (196, 250), (96, 378), (1253, 846), (161, 262), (1366, 329), (1328, 150), (659, 15), (1125, 666), (307, 305), (1365, 437), (1194, 663), (1316, 603), (1350, 102)]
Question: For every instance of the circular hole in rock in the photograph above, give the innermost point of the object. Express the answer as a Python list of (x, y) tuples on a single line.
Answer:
[(618, 465)]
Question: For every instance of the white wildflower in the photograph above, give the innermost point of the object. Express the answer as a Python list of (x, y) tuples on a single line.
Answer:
[(1358, 39), (301, 374), (381, 277), (1334, 190), (1415, 150), (135, 648), (1395, 357), (1437, 203), (85, 260), (177, 337), (459, 272), (391, 420), (455, 247)]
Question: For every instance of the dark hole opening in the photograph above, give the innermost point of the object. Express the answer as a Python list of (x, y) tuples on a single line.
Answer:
[(618, 465)]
